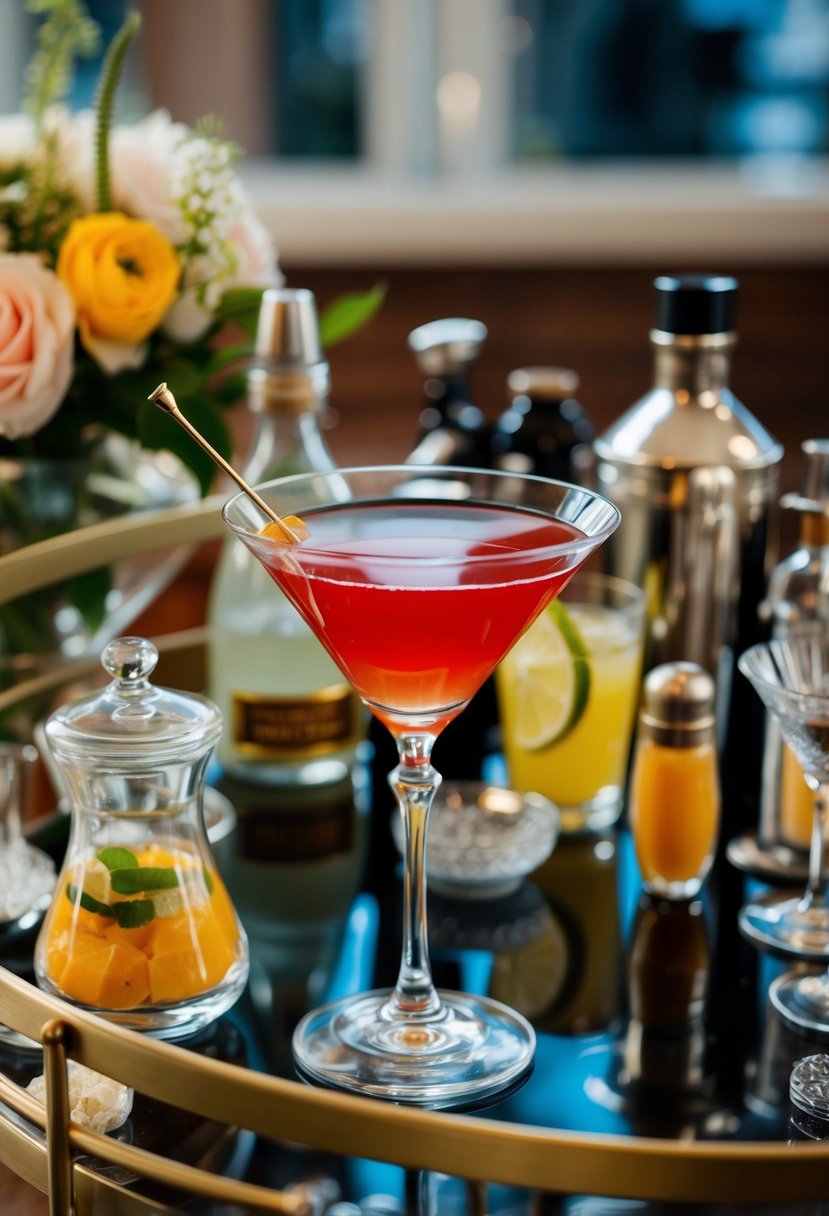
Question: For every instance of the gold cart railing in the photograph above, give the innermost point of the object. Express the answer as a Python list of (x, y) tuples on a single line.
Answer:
[(40, 1145)]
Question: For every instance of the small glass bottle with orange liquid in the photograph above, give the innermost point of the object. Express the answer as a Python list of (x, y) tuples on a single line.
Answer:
[(674, 797), (141, 928)]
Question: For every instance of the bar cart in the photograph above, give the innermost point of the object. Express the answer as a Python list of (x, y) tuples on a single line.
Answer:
[(661, 1074)]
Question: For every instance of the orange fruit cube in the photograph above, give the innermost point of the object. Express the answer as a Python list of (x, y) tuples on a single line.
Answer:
[(187, 959), (106, 975), (126, 981)]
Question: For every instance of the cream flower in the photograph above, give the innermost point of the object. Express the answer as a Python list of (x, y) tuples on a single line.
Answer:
[(17, 140), (141, 159), (37, 328)]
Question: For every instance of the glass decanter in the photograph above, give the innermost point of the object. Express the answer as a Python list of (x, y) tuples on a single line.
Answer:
[(141, 928)]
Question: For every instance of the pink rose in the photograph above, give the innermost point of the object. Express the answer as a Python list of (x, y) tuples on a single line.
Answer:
[(37, 331)]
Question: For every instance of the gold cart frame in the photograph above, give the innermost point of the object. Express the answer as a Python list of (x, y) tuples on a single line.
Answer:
[(40, 1145)]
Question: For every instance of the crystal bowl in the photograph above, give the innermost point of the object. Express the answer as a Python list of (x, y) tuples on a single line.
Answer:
[(484, 839)]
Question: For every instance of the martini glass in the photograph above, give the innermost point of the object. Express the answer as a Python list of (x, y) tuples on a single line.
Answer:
[(418, 581), (791, 676)]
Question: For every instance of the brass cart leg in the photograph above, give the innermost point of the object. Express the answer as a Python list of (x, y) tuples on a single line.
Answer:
[(58, 1156)]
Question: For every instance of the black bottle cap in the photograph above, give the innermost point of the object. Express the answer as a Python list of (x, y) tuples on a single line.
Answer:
[(695, 303)]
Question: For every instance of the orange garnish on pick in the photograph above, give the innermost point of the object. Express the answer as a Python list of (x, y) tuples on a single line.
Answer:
[(275, 531)]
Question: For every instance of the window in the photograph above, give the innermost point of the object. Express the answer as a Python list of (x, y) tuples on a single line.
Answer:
[(612, 107)]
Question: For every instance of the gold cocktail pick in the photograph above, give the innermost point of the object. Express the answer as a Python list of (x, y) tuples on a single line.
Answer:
[(164, 399)]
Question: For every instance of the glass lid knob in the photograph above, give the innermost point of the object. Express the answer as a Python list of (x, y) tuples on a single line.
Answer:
[(130, 660)]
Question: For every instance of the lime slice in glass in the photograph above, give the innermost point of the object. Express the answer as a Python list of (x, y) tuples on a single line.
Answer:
[(552, 679)]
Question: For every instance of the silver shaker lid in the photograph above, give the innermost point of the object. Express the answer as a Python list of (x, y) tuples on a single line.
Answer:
[(680, 424), (290, 374), (447, 347), (678, 709)]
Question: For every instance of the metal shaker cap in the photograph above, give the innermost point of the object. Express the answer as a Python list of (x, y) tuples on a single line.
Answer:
[(291, 374), (678, 708), (447, 347), (695, 303)]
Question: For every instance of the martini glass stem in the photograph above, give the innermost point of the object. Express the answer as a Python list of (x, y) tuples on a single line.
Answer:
[(414, 782), (816, 886)]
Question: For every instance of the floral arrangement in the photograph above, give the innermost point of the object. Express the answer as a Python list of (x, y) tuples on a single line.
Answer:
[(129, 254)]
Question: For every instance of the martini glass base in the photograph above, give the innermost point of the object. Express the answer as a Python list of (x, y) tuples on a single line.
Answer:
[(802, 1000), (474, 1048), (778, 922)]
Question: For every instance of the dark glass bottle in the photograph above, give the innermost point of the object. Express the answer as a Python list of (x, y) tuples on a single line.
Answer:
[(452, 430), (544, 430)]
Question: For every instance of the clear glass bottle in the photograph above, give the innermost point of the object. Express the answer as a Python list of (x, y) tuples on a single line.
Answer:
[(674, 797), (290, 717), (544, 430), (141, 928), (452, 430), (797, 598)]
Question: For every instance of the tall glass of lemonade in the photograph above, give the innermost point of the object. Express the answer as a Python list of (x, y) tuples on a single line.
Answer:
[(568, 694)]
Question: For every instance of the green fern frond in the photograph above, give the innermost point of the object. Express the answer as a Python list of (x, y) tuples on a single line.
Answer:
[(105, 103), (65, 33)]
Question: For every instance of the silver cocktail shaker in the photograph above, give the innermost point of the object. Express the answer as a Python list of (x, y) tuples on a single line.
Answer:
[(696, 477)]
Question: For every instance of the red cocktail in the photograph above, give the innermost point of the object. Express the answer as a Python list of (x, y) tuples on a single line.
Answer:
[(416, 611), (418, 582)]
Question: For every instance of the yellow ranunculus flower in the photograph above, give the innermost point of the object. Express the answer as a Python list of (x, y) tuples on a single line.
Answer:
[(121, 273)]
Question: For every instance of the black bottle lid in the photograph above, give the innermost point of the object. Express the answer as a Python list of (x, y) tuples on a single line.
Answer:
[(695, 303)]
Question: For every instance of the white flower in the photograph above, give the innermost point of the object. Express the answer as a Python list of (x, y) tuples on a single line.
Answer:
[(257, 260), (74, 137), (37, 330), (142, 159), (17, 140)]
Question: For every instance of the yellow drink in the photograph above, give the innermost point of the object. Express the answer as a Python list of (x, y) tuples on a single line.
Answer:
[(581, 764), (797, 803)]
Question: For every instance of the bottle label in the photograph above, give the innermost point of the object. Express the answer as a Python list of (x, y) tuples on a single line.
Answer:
[(295, 728), (266, 834)]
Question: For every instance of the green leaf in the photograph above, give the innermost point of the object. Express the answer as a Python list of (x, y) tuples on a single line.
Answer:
[(132, 913), (231, 389), (208, 880), (158, 430), (87, 592), (115, 858), (227, 355), (349, 313), (132, 879), (88, 902), (241, 305)]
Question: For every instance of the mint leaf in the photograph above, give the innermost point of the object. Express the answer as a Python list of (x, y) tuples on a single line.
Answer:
[(88, 902), (115, 858), (143, 878), (132, 913)]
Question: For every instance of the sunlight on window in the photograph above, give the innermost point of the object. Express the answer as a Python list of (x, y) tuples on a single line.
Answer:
[(459, 102)]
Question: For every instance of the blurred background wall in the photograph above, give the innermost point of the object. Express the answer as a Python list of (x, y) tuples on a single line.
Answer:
[(531, 163)]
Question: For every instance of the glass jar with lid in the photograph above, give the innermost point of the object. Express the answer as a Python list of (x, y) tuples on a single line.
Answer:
[(141, 928)]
